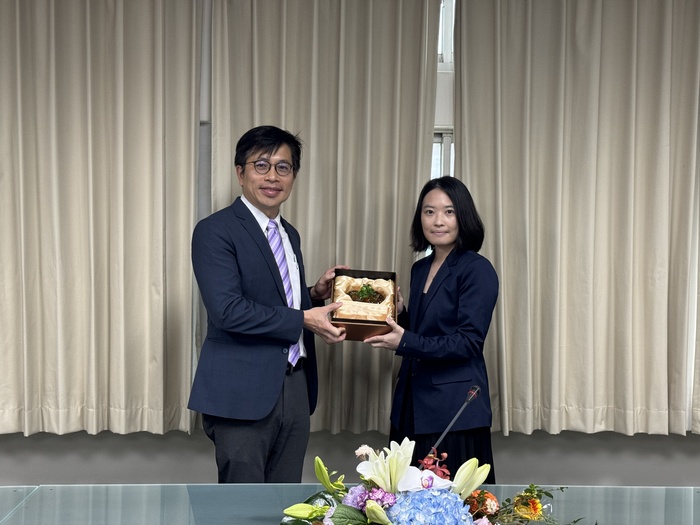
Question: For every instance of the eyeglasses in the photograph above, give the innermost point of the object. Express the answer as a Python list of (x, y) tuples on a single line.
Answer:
[(263, 166)]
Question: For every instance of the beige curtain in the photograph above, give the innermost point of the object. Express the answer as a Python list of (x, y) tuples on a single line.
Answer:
[(97, 139), (357, 81), (577, 130)]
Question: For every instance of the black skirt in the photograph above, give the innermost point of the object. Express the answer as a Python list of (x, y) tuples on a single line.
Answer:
[(460, 445)]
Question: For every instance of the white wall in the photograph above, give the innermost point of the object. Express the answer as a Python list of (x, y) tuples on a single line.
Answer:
[(566, 459)]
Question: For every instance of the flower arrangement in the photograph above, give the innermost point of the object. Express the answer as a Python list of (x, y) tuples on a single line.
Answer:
[(525, 507), (393, 492)]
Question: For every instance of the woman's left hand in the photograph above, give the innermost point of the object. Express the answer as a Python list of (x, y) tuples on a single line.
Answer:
[(389, 341)]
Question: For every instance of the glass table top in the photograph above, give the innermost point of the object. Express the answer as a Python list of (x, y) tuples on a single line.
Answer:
[(619, 505), (11, 498), (204, 504)]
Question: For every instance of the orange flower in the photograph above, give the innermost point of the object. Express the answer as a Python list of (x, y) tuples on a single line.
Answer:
[(529, 508), (482, 503)]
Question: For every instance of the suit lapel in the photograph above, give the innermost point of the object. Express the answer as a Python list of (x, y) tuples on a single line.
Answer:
[(417, 314), (416, 307), (249, 224)]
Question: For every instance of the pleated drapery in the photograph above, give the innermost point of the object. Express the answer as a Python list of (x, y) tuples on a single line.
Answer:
[(576, 127), (97, 155), (357, 82)]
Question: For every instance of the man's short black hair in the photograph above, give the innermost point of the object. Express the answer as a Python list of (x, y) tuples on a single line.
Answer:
[(267, 140)]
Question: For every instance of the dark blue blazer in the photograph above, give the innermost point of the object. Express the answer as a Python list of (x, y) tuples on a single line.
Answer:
[(243, 360), (443, 347)]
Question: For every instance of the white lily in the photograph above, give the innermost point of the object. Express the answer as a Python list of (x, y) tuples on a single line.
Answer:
[(376, 470), (399, 457), (469, 477), (416, 479), (388, 467)]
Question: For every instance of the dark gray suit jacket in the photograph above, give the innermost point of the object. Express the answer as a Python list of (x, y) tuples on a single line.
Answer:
[(243, 360)]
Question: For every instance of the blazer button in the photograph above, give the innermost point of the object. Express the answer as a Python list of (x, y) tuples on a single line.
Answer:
[(285, 350)]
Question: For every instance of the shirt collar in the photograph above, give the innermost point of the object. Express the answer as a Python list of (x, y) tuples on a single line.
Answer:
[(260, 217)]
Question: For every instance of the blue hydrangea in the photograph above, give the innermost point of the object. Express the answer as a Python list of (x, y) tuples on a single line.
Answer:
[(429, 507)]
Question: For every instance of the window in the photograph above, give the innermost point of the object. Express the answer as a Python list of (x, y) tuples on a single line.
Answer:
[(443, 155), (445, 36), (443, 146)]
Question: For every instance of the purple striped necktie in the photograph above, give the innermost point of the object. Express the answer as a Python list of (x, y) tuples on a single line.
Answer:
[(275, 240)]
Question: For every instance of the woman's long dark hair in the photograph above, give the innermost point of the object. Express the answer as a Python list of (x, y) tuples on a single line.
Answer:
[(471, 229)]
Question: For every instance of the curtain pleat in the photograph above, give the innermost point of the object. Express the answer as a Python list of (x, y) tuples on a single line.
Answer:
[(357, 81), (97, 164), (577, 129)]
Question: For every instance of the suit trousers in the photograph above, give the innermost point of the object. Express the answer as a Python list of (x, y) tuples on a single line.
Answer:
[(270, 450)]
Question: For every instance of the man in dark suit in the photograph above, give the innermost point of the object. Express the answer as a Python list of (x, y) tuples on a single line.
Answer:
[(256, 383)]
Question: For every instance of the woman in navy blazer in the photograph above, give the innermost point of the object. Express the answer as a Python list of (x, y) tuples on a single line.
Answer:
[(441, 336)]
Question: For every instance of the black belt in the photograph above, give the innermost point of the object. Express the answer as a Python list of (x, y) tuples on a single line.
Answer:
[(291, 369)]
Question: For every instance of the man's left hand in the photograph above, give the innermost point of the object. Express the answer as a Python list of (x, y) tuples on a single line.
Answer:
[(324, 286)]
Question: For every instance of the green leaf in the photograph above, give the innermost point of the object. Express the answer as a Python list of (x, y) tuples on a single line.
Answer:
[(366, 291), (346, 515), (322, 498)]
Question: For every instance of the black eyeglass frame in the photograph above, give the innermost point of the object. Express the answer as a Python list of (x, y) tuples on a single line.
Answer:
[(261, 163)]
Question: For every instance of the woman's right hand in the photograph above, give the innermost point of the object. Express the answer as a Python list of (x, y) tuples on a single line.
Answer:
[(389, 341)]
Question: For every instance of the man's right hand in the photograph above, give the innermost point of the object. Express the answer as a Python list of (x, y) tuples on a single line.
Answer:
[(316, 320)]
